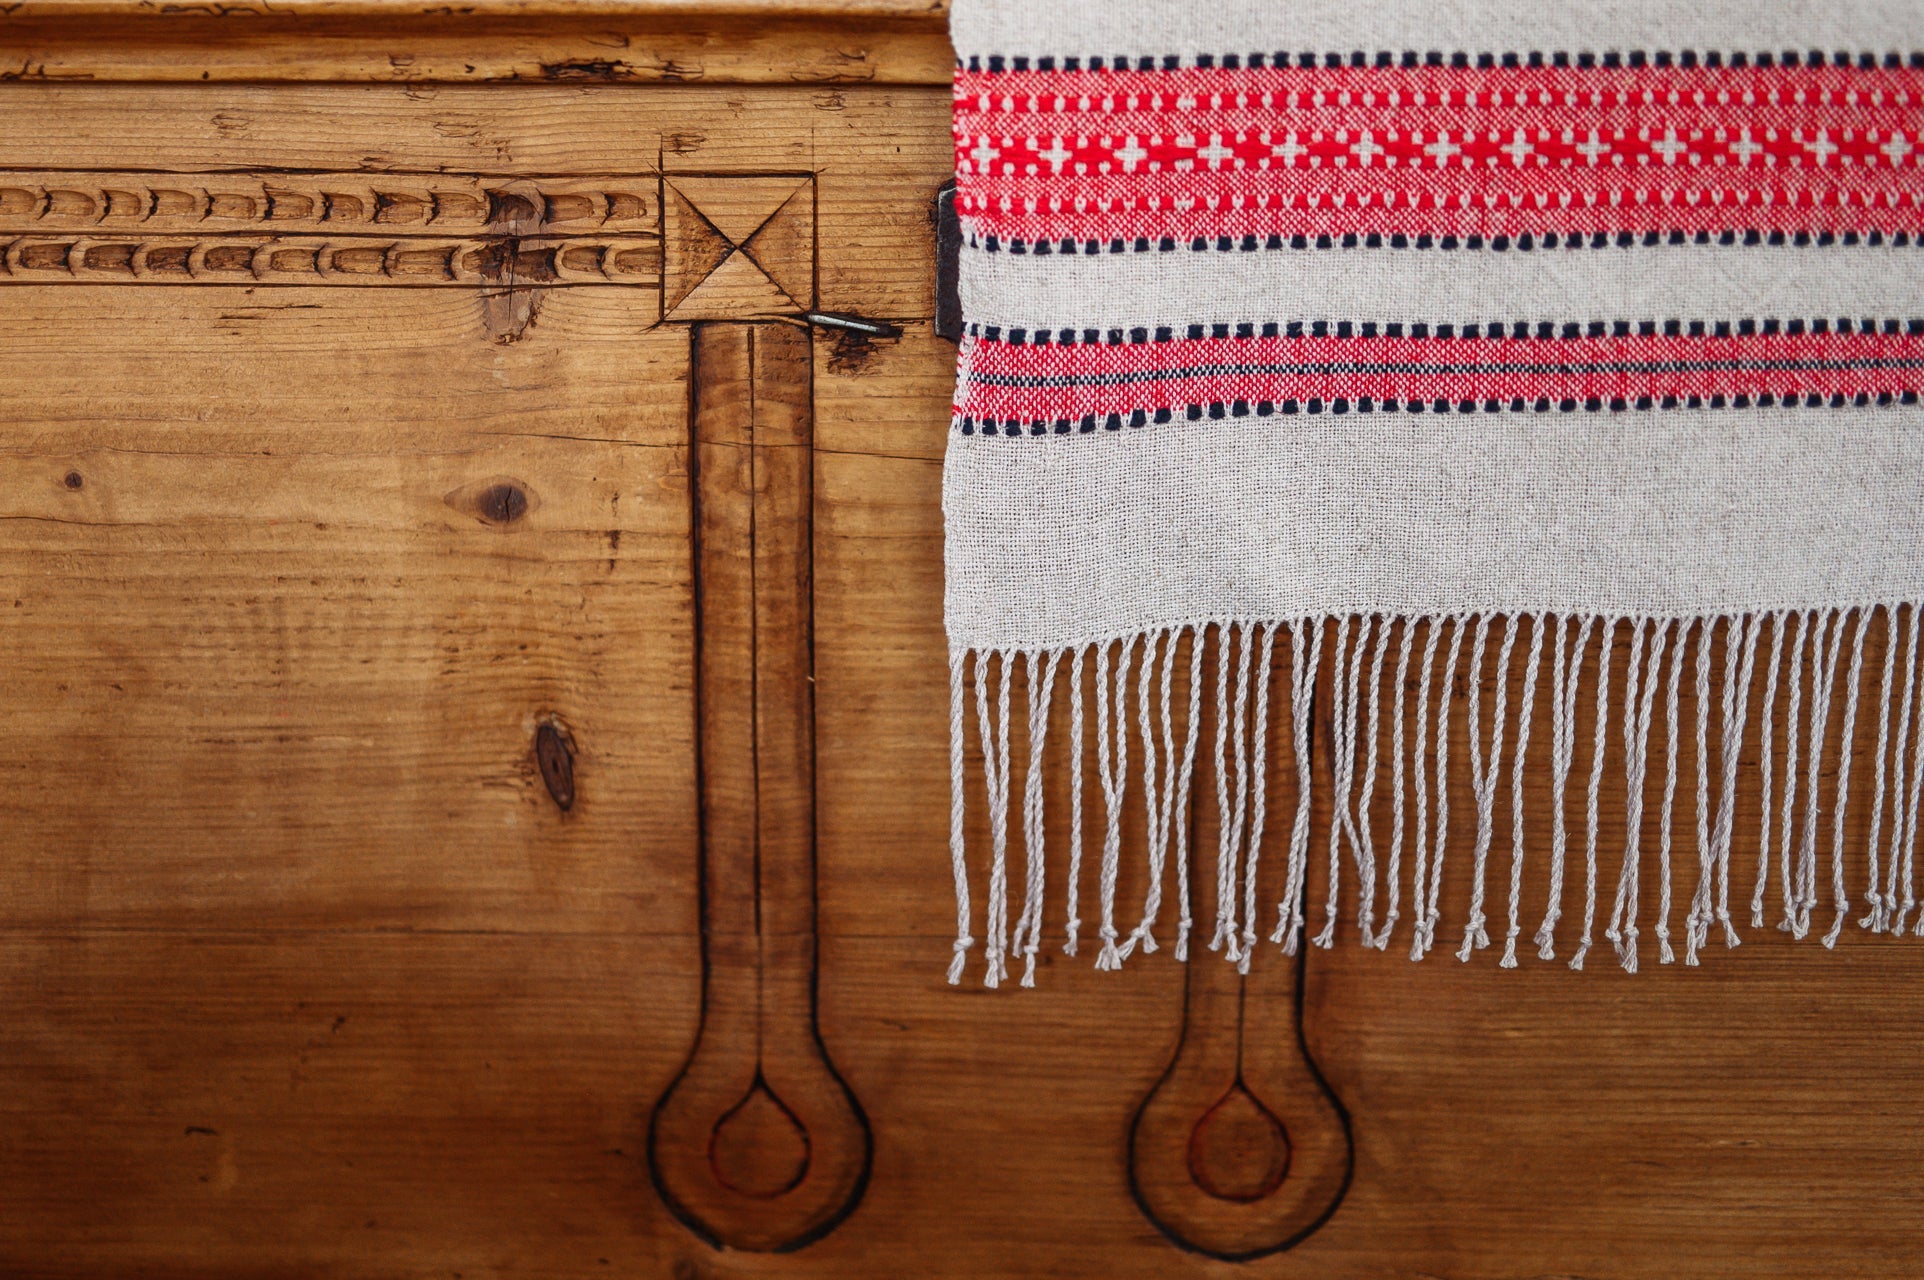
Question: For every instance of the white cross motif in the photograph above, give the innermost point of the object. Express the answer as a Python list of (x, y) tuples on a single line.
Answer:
[(1670, 147), (1216, 152), (1129, 155), (1366, 149), (1744, 148), (1289, 149), (982, 155), (1441, 150), (1896, 148), (1517, 149), (1822, 147), (1594, 149), (1057, 155)]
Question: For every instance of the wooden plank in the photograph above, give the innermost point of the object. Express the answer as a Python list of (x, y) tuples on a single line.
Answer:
[(225, 1104), (322, 371), (1528, 1124), (283, 627), (1496, 1137), (927, 13), (528, 971), (402, 41)]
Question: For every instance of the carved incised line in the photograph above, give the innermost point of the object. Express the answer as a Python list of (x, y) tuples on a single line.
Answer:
[(758, 1143), (329, 229)]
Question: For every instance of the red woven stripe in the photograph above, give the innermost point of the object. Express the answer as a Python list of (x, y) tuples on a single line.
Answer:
[(1177, 374), (1440, 151)]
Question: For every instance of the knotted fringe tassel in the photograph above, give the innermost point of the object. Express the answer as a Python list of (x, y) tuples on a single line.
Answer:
[(1903, 819), (958, 850), (1564, 671), (1302, 676), (1806, 692), (1112, 771), (1028, 930)]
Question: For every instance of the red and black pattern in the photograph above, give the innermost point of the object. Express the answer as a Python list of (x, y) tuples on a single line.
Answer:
[(1018, 384), (1284, 152), (1531, 145)]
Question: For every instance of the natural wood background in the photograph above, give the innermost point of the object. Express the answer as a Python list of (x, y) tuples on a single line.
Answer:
[(303, 972)]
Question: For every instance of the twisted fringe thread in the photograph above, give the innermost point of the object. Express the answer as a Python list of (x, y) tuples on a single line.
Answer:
[(1816, 658)]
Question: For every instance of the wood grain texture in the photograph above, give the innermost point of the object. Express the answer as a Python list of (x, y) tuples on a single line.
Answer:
[(540, 41), (282, 859), (927, 13)]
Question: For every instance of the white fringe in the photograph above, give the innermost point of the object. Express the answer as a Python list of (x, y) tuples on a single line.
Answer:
[(1697, 923), (1592, 811), (1841, 806), (1302, 678), (1794, 767), (1764, 766), (1229, 818), (1903, 820), (1393, 875), (1433, 911), (1366, 911), (1915, 788), (1646, 663), (1259, 804), (1028, 929), (1419, 884), (1524, 713), (1342, 748), (1881, 904), (1735, 712), (1563, 742), (1112, 772), (1073, 927), (1198, 643), (1790, 880), (1484, 773), (995, 772), (1829, 646), (1350, 707), (958, 842), (1154, 802), (1672, 689)]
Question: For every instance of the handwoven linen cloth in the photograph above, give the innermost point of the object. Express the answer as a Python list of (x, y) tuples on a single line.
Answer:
[(1467, 338)]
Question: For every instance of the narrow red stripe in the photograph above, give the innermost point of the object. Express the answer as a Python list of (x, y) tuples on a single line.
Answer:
[(1176, 374)]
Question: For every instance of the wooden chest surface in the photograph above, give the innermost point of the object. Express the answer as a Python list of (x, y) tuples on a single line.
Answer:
[(476, 765)]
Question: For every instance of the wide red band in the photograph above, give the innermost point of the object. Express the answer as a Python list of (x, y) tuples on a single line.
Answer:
[(1439, 150)]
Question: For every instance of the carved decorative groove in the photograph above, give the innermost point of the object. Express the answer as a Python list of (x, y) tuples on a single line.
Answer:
[(391, 204), (329, 229), (1241, 1149), (272, 259), (738, 247), (758, 1144)]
